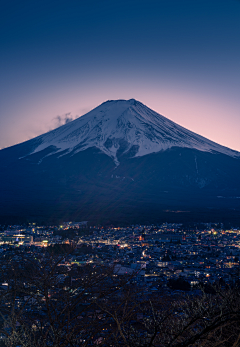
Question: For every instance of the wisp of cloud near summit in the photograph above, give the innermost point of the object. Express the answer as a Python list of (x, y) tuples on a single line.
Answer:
[(180, 58)]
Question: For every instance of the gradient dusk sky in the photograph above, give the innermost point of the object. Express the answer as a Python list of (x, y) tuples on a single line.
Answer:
[(59, 59)]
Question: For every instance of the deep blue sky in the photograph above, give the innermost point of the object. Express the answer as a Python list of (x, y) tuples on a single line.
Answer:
[(179, 57)]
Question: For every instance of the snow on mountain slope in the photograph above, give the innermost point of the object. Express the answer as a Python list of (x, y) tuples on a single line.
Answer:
[(127, 124)]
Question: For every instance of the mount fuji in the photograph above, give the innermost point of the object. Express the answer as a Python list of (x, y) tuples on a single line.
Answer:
[(125, 126), (119, 163)]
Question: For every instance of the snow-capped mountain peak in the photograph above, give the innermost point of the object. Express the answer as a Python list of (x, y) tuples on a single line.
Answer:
[(124, 125)]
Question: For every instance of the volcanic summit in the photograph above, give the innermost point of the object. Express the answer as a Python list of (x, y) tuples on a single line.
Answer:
[(121, 162)]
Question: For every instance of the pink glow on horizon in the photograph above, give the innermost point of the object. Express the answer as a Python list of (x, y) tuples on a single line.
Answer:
[(212, 117)]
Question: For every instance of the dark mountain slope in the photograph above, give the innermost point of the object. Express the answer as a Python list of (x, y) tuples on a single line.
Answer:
[(187, 180)]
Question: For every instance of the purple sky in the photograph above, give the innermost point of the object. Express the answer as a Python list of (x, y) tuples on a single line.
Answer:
[(180, 58)]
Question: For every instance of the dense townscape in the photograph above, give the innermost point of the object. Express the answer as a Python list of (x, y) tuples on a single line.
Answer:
[(119, 173), (164, 252), (75, 285)]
